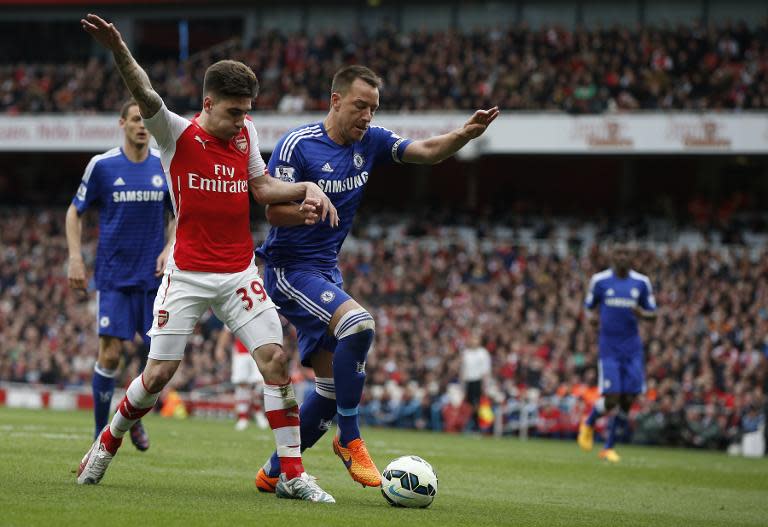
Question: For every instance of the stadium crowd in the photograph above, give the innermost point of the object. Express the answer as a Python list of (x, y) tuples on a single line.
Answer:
[(432, 291), (586, 70)]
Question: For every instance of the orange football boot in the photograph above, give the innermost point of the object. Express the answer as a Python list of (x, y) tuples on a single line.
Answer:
[(358, 461), (264, 483), (609, 454)]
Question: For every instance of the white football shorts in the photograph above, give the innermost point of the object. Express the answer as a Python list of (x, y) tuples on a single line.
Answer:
[(236, 299)]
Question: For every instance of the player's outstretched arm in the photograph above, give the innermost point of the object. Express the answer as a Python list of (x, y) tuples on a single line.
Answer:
[(435, 149), (135, 78)]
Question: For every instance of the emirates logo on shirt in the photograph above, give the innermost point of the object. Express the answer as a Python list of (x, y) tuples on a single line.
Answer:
[(242, 144)]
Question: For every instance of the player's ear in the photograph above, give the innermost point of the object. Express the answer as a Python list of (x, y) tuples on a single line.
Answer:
[(207, 103), (335, 101)]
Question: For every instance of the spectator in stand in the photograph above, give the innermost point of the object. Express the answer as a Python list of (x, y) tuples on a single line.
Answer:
[(707, 346), (409, 408), (587, 70), (456, 411), (382, 409), (475, 370)]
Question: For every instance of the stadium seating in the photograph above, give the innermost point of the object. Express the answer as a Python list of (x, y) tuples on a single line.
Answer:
[(589, 70), (706, 353)]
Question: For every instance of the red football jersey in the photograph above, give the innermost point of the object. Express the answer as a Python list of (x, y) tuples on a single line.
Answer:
[(208, 179)]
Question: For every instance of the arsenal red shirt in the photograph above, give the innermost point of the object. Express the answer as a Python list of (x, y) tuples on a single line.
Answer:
[(208, 178)]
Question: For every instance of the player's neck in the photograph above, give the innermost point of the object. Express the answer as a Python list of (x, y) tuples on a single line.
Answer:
[(135, 153), (202, 122), (621, 273), (333, 131)]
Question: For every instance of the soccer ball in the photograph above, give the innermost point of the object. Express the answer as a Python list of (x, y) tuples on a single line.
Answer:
[(409, 481)]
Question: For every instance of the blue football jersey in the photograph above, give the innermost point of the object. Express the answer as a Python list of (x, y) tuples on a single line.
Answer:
[(341, 171), (132, 200), (617, 297)]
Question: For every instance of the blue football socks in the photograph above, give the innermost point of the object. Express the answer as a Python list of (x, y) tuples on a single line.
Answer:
[(618, 420), (349, 376), (103, 386)]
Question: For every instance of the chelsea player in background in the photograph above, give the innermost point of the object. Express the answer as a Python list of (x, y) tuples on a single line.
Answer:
[(623, 296), (335, 333), (127, 186)]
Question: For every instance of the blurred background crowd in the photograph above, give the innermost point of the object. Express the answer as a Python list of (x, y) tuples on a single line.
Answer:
[(499, 305), (686, 66)]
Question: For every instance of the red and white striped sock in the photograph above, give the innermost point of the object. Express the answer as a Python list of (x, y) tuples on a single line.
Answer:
[(283, 415), (243, 403), (138, 401)]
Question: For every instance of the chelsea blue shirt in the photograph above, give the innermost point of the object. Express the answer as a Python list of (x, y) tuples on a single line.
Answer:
[(341, 171), (132, 199), (617, 297)]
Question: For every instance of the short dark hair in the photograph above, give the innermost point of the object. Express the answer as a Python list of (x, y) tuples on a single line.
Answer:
[(127, 106), (347, 75), (230, 78)]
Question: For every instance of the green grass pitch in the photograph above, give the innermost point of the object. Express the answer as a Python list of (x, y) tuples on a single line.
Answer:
[(200, 472)]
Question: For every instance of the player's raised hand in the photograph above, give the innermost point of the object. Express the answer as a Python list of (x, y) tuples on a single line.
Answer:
[(325, 207), (76, 275), (479, 122), (105, 33)]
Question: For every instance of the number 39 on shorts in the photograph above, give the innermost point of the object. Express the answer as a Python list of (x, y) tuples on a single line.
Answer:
[(256, 290)]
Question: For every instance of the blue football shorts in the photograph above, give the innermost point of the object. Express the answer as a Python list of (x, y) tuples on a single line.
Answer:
[(124, 312), (308, 300), (621, 372)]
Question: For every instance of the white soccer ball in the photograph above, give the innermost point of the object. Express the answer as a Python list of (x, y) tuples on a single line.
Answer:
[(409, 481)]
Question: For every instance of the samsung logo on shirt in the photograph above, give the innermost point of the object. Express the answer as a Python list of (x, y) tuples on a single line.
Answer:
[(620, 302), (343, 185), (130, 196)]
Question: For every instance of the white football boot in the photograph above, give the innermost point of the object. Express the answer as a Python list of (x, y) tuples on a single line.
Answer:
[(94, 463), (303, 487)]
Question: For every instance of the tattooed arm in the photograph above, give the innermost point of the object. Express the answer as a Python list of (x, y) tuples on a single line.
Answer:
[(135, 78)]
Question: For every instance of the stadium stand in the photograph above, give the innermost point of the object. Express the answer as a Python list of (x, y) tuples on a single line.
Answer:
[(520, 286), (551, 68)]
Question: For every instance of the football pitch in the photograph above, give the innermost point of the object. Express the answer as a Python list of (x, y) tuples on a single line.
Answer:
[(200, 472)]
